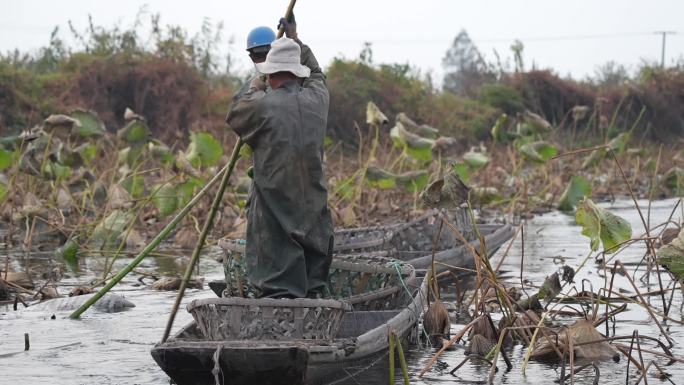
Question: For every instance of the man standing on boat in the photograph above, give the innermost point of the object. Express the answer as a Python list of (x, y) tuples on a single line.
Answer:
[(289, 228)]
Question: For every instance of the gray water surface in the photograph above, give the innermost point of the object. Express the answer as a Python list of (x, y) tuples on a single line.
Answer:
[(103, 348), (556, 235)]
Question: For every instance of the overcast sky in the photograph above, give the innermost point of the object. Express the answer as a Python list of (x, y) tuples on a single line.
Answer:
[(572, 37)]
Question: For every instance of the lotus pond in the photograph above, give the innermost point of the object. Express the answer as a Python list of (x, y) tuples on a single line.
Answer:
[(113, 348)]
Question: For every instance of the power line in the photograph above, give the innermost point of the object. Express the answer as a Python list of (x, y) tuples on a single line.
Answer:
[(567, 37), (500, 39)]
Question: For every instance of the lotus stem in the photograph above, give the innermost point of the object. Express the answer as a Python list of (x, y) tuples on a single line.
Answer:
[(402, 360), (390, 336)]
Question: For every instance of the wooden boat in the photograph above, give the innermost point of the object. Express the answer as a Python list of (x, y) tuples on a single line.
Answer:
[(413, 242), (379, 295), (377, 290)]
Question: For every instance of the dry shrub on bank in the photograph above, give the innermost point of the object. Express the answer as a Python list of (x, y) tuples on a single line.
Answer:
[(394, 89), (170, 94), (22, 100), (549, 95), (661, 94)]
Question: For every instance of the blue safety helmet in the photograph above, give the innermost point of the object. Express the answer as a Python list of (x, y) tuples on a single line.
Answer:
[(260, 36)]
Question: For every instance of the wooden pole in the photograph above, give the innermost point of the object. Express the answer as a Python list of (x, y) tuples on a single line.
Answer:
[(288, 15), (203, 236)]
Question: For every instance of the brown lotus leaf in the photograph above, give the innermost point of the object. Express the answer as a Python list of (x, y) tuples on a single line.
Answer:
[(173, 283), (135, 241), (483, 327), (60, 120), (436, 320), (20, 279), (582, 331), (49, 292), (186, 237), (525, 325), (479, 345), (374, 116), (422, 129), (80, 290), (669, 235), (63, 199), (120, 198)]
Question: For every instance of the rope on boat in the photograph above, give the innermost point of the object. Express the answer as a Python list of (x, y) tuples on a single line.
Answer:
[(216, 371), (398, 267)]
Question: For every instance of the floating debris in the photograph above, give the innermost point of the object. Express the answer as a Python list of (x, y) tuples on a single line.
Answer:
[(174, 283)]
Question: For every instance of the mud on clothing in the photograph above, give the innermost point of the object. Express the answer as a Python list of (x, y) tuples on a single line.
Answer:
[(289, 228)]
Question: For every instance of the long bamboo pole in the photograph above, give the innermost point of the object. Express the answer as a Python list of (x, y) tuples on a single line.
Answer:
[(209, 221), (152, 245)]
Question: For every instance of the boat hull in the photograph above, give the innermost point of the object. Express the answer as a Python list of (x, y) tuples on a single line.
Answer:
[(199, 364)]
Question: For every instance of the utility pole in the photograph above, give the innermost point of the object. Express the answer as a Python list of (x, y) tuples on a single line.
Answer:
[(662, 53)]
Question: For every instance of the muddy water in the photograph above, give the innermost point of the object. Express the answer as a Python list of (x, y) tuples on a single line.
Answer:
[(114, 348)]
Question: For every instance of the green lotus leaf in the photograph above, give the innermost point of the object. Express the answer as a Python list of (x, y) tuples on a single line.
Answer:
[(671, 256), (538, 152), (165, 199), (618, 143), (246, 151), (412, 180), (673, 179), (91, 124), (160, 151), (485, 195), (55, 171), (135, 131), (135, 185), (578, 188), (3, 192), (68, 250), (203, 150), (186, 190), (475, 160), (72, 158), (6, 158), (602, 226), (110, 229), (88, 152), (415, 146), (379, 178)]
